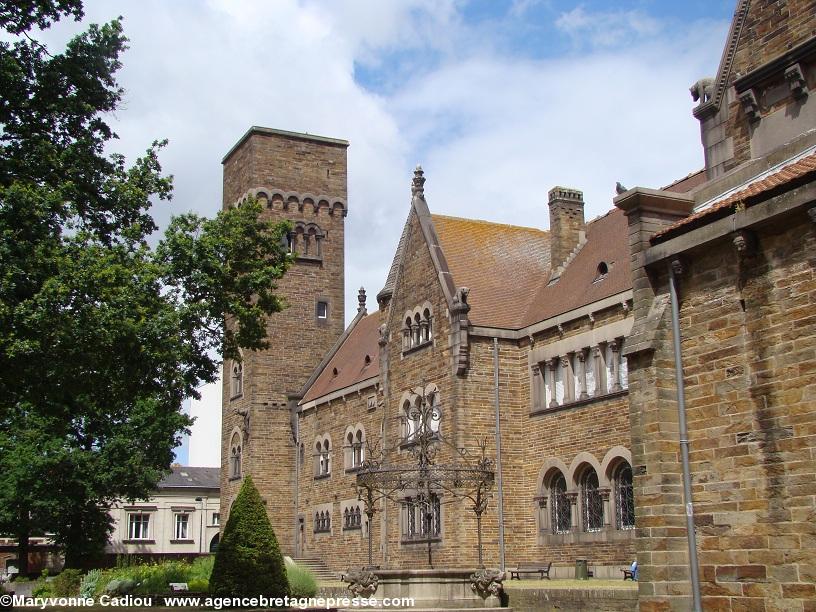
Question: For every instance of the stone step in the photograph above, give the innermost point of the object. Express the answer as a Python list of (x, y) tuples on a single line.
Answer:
[(320, 570)]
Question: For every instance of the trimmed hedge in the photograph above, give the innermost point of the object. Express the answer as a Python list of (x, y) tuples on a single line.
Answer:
[(248, 561)]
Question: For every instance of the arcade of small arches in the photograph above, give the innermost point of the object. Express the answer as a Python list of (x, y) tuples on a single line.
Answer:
[(235, 454), (286, 200), (586, 500), (236, 379), (354, 447), (410, 410), (306, 240), (322, 457), (417, 327)]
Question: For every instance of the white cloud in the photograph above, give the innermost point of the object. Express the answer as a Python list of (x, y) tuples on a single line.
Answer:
[(606, 28), (205, 433), (494, 132)]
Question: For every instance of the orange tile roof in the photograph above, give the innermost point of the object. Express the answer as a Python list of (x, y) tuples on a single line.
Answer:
[(784, 178), (350, 360), (502, 265), (579, 285)]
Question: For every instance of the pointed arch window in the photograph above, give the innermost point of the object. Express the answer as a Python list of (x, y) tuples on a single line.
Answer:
[(624, 496), (235, 456), (560, 507), (237, 379), (591, 501)]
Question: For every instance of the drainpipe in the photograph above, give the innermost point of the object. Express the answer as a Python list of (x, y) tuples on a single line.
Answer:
[(498, 452), (676, 267)]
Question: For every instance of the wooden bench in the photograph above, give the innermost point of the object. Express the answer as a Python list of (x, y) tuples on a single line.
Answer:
[(628, 574), (531, 568)]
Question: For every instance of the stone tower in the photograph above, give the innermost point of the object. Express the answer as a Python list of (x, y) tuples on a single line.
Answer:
[(300, 178)]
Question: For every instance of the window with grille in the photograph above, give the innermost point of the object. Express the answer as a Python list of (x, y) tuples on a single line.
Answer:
[(591, 502), (561, 518), (423, 519), (181, 531), (624, 498), (139, 526)]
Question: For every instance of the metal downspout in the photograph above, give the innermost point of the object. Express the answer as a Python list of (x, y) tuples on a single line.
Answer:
[(498, 453), (694, 568)]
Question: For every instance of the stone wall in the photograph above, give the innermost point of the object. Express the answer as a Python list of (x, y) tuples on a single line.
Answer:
[(273, 164)]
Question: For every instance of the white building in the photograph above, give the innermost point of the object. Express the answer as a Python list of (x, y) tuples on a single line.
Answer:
[(180, 518)]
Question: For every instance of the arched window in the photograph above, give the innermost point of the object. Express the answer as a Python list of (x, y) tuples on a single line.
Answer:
[(427, 332), (358, 517), (411, 420), (347, 518), (357, 449), (326, 457), (561, 513), (406, 334), (591, 501), (417, 339), (301, 455), (436, 413), (237, 379), (624, 496), (235, 456), (319, 467)]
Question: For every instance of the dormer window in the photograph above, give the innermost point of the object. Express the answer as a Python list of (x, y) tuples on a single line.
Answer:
[(603, 270)]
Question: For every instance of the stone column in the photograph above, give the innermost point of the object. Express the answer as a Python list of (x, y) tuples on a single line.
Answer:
[(598, 370), (424, 336), (615, 348), (582, 374), (573, 500), (552, 364), (537, 387), (543, 515), (607, 509), (569, 383)]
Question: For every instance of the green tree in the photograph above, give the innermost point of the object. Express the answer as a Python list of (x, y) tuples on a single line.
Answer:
[(104, 330), (248, 561)]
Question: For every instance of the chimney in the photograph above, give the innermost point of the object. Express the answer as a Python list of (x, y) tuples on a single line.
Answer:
[(566, 223)]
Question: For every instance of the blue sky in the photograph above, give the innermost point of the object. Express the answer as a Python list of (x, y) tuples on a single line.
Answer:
[(499, 101)]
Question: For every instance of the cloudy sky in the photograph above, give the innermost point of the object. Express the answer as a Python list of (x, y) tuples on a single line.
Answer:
[(498, 100)]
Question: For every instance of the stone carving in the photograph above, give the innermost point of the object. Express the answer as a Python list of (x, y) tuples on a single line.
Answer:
[(702, 90), (750, 105), (383, 340), (418, 183), (677, 266), (460, 324), (361, 300), (245, 423), (487, 582), (812, 214), (796, 81), (744, 243), (361, 582)]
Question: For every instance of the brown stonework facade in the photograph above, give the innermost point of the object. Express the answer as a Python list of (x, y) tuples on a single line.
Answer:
[(740, 248), (567, 334)]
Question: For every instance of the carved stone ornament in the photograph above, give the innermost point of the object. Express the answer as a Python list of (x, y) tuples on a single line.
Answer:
[(245, 424), (383, 335), (487, 582), (702, 91), (361, 582), (677, 266), (812, 214), (796, 81), (361, 299), (750, 105), (418, 182), (744, 243)]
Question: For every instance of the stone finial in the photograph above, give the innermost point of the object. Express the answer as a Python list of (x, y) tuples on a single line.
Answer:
[(361, 300), (418, 184)]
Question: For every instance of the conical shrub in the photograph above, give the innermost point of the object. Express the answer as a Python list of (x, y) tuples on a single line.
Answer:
[(248, 561)]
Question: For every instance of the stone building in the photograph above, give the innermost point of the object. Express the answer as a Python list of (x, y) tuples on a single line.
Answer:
[(567, 332), (465, 303), (739, 251)]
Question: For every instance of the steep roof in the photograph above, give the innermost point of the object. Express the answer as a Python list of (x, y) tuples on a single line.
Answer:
[(688, 182), (779, 179), (502, 265), (349, 361), (581, 282), (182, 476)]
